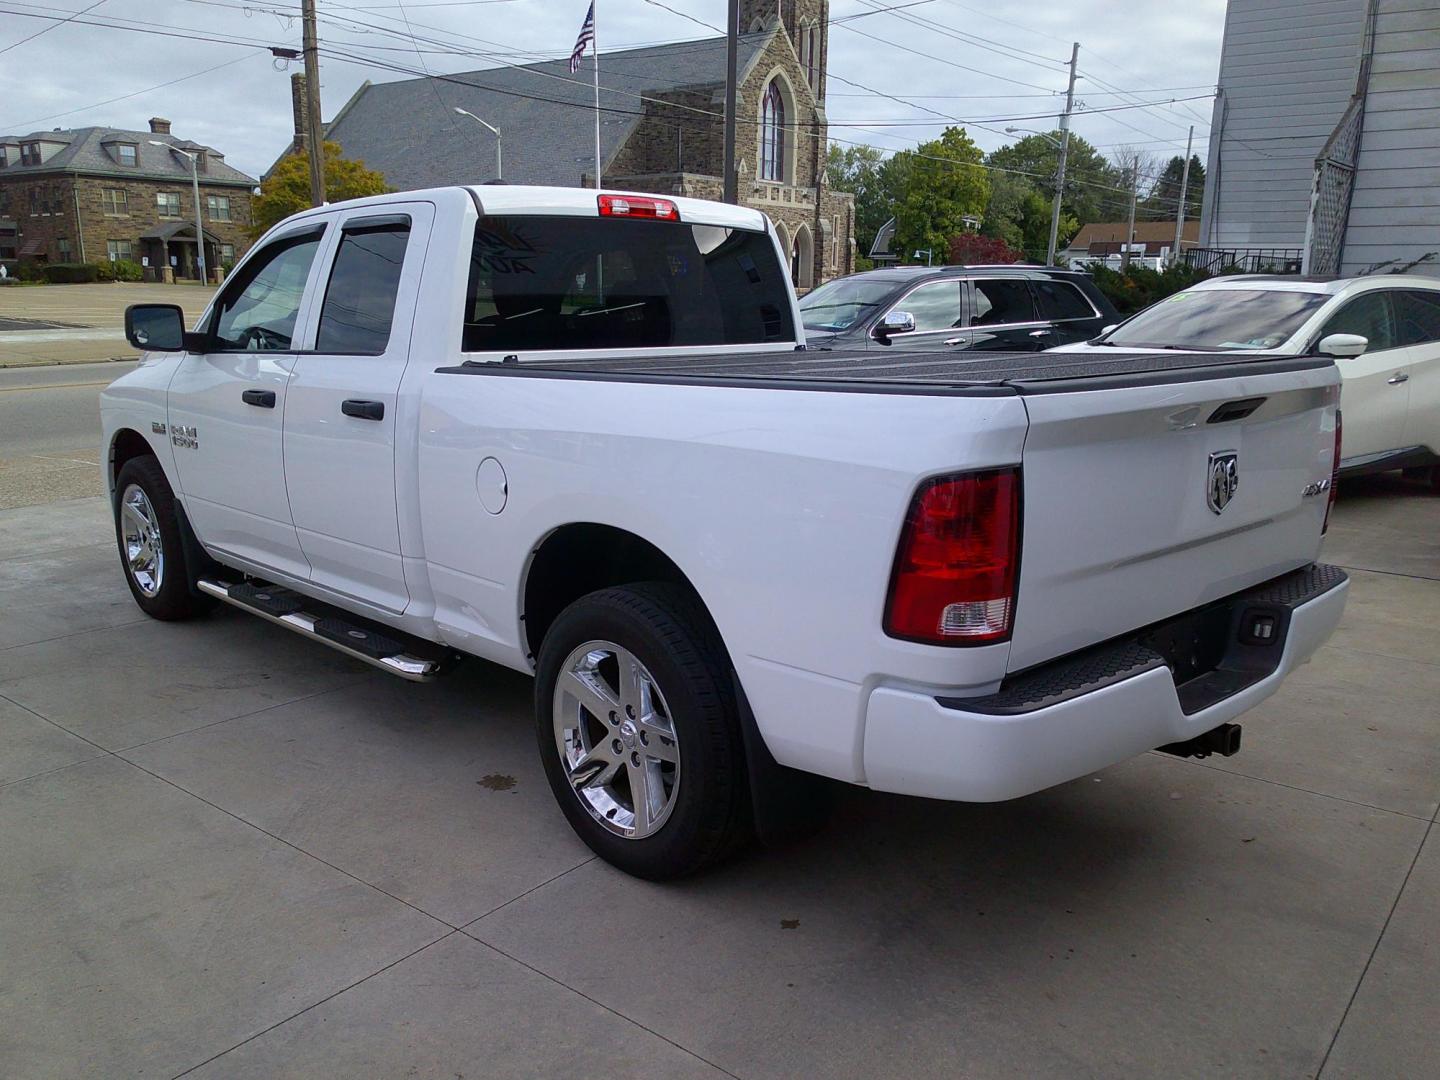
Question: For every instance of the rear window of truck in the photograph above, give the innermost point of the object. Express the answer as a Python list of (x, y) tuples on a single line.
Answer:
[(553, 283)]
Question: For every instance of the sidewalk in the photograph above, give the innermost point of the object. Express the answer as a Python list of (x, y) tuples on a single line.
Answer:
[(93, 317)]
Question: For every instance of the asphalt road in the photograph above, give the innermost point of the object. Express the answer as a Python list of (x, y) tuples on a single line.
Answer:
[(50, 431)]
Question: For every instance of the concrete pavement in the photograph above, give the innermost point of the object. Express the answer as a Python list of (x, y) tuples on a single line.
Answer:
[(227, 852), (91, 319)]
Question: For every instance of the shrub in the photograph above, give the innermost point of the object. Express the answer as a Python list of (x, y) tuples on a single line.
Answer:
[(1138, 287), (29, 271), (126, 270), (974, 248), (71, 273)]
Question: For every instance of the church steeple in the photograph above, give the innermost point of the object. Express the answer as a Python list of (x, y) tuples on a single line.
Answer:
[(805, 22)]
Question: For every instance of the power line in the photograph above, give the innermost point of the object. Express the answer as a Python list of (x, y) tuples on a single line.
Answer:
[(47, 29)]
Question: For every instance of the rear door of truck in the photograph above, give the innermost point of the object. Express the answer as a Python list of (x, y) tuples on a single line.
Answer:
[(1149, 495)]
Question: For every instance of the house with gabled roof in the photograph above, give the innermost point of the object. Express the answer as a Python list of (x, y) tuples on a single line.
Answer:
[(662, 113), (92, 194)]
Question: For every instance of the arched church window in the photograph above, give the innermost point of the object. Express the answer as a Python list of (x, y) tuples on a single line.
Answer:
[(772, 133)]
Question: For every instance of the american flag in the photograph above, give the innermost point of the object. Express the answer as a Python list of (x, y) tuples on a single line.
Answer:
[(584, 41)]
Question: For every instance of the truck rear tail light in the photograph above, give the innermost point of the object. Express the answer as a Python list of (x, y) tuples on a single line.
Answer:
[(958, 560), (1334, 477), (638, 206)]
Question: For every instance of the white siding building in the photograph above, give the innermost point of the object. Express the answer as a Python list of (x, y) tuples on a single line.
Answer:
[(1325, 143)]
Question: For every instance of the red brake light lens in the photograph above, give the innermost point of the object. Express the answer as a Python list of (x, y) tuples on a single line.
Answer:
[(958, 561), (1334, 477), (638, 206)]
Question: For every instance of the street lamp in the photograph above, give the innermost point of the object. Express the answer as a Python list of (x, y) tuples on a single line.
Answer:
[(194, 160), (1063, 146), (499, 171)]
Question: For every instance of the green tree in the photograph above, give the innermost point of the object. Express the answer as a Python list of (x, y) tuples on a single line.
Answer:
[(286, 190), (1019, 214), (1088, 177), (857, 169), (942, 183), (1164, 197)]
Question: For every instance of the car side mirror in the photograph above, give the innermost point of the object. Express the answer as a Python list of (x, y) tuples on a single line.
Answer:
[(1343, 345), (1106, 329), (895, 322), (155, 327)]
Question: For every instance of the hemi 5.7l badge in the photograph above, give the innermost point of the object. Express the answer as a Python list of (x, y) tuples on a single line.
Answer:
[(184, 437)]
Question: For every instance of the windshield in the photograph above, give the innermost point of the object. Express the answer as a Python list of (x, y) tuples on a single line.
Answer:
[(840, 304), (1220, 319)]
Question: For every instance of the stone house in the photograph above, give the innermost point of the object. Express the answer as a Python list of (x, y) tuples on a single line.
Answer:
[(94, 194), (662, 114)]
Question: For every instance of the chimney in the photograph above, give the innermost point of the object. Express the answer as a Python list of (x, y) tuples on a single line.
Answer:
[(159, 126), (297, 107)]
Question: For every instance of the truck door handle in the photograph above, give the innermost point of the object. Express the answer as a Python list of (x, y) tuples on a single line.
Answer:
[(363, 410), (1398, 378), (954, 340), (1041, 333), (263, 399)]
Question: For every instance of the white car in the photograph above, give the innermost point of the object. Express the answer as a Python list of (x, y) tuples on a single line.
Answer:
[(579, 435), (1383, 331)]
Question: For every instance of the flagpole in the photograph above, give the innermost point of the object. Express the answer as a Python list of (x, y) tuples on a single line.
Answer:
[(595, 44)]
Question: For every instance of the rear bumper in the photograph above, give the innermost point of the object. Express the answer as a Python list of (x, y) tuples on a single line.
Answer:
[(1081, 713)]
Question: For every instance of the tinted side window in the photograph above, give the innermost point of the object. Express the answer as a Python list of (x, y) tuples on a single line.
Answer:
[(1061, 300), (999, 301), (259, 307), (600, 283), (360, 299), (1367, 315), (935, 306), (1417, 317)]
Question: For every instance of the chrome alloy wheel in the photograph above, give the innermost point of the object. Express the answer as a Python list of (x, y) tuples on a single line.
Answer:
[(616, 739), (144, 552)]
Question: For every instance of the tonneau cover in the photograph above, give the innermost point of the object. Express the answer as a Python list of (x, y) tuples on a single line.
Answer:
[(1022, 372)]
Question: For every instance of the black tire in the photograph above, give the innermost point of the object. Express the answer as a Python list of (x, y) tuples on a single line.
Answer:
[(666, 628), (174, 597)]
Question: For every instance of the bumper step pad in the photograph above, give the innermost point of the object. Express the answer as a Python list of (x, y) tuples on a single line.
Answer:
[(377, 645)]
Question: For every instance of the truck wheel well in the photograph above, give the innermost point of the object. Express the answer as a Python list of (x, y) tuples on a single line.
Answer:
[(578, 559), (127, 444)]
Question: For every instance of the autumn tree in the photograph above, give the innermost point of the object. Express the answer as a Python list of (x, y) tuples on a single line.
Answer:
[(286, 190)]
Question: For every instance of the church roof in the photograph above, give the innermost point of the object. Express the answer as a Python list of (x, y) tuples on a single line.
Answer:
[(409, 130)]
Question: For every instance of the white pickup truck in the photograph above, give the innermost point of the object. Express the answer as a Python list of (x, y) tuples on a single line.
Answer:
[(579, 435)]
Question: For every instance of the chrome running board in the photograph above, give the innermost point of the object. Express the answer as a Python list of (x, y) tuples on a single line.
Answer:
[(345, 633)]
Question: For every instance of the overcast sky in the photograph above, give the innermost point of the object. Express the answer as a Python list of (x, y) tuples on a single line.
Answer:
[(990, 62)]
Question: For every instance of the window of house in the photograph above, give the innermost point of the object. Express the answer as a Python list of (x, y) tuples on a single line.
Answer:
[(218, 207), (4, 161), (34, 201), (118, 249), (30, 153), (200, 160), (360, 299), (259, 307), (168, 203), (772, 133), (115, 201), (63, 244), (127, 153), (227, 254)]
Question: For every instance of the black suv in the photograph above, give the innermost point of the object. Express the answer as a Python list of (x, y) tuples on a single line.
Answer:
[(995, 308)]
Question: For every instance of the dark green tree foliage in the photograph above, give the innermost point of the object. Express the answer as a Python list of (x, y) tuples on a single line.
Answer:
[(1164, 197), (1088, 178), (859, 170), (943, 182)]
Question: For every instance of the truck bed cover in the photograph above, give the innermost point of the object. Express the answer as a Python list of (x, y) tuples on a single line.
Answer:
[(902, 371)]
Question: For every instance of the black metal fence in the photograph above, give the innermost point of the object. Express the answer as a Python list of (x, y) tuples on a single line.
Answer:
[(1245, 260)]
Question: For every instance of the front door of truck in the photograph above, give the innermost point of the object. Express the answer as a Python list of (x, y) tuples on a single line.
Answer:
[(344, 403), (227, 403)]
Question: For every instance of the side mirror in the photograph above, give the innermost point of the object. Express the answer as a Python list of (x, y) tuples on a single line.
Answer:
[(1342, 345), (1106, 329), (155, 327), (895, 322)]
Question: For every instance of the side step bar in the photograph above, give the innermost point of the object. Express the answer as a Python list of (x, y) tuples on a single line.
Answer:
[(346, 633)]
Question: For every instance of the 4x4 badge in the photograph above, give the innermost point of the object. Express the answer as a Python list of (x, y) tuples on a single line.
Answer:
[(1222, 479)]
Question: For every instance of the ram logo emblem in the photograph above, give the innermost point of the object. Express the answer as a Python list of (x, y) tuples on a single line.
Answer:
[(1222, 479)]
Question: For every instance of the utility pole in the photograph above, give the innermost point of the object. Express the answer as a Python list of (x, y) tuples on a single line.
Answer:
[(314, 133), (1064, 153), (1130, 228), (1184, 190), (732, 65)]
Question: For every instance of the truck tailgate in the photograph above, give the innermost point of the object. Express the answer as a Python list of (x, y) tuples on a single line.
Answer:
[(1120, 529)]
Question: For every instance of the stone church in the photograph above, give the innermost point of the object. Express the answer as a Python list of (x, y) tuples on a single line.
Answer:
[(661, 127)]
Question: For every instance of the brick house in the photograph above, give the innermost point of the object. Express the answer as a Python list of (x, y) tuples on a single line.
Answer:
[(661, 127), (95, 194)]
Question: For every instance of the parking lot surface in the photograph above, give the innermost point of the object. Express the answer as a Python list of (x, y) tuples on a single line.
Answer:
[(68, 324), (229, 852)]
